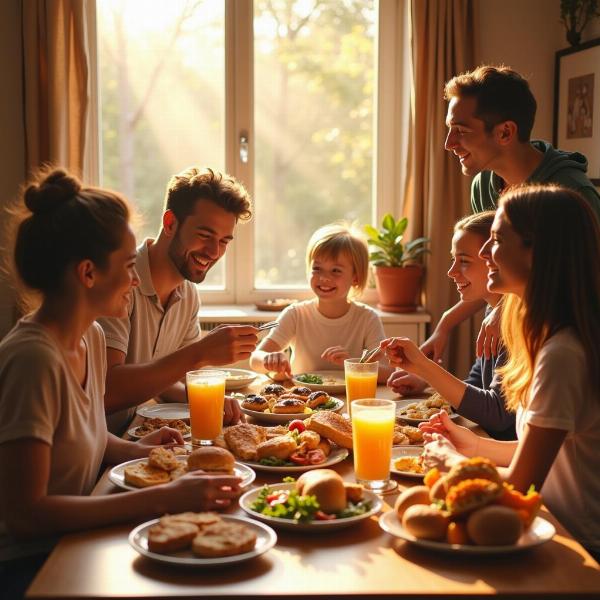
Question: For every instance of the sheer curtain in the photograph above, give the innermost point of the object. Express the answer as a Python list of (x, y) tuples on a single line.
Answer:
[(436, 192), (56, 82)]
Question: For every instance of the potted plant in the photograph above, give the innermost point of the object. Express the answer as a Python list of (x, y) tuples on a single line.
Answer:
[(396, 265), (575, 15)]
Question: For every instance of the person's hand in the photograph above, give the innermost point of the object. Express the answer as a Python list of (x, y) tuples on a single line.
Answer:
[(463, 439), (161, 437), (433, 347), (201, 491), (403, 352), (403, 383), (489, 334), (440, 453), (336, 355), (278, 362), (227, 344), (231, 411)]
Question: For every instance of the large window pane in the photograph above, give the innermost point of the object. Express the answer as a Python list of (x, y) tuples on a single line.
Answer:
[(162, 92), (314, 86)]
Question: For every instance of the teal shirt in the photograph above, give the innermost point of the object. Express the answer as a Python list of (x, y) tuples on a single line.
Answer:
[(563, 168)]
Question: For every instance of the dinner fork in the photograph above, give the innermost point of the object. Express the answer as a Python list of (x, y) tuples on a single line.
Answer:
[(369, 355), (269, 325)]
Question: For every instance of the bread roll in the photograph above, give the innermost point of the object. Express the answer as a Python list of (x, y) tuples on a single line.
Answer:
[(425, 522), (211, 458), (494, 526), (418, 494), (327, 486)]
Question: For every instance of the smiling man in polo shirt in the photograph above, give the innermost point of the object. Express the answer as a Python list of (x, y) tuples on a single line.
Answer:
[(149, 352)]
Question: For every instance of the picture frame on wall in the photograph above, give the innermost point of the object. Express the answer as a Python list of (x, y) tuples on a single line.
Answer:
[(577, 103)]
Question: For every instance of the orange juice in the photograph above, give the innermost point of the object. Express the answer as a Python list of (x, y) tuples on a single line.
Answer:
[(360, 385), (206, 398), (372, 435)]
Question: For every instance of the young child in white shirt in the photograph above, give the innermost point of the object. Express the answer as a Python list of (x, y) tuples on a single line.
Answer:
[(324, 331)]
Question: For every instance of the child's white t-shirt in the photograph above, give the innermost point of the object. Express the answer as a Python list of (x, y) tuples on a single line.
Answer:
[(308, 333), (561, 397)]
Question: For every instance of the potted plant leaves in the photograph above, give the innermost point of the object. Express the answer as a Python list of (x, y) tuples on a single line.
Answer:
[(396, 265)]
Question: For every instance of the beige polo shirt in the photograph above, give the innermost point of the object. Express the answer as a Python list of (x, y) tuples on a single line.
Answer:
[(151, 331)]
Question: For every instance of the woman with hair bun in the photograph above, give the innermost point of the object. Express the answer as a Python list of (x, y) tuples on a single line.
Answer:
[(75, 248), (543, 254)]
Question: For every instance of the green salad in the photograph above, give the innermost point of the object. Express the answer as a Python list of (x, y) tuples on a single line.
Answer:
[(309, 378)]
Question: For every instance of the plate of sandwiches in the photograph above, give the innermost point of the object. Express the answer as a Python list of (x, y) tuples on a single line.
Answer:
[(322, 440), (276, 404), (202, 539), (319, 501), (238, 378), (164, 465), (332, 382), (407, 461), (151, 425), (414, 412), (169, 410)]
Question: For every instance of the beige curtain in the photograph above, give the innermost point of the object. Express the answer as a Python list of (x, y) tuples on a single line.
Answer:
[(56, 90), (436, 192)]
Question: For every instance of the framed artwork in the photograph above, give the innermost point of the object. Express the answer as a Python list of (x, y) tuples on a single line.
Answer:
[(577, 103)]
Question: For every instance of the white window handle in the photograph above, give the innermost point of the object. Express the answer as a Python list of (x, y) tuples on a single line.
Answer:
[(244, 147)]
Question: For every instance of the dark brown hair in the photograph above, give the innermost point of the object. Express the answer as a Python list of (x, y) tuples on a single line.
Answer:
[(60, 222), (193, 184), (502, 95)]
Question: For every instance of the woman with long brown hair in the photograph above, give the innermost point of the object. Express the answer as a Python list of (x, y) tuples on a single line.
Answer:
[(544, 255)]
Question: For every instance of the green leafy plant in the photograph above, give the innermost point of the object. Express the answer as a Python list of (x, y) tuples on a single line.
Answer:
[(391, 251), (575, 15)]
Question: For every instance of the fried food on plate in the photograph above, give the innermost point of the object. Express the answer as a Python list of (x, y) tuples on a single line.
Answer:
[(163, 458), (243, 440), (256, 403), (279, 447), (317, 398), (331, 426), (143, 475), (289, 406)]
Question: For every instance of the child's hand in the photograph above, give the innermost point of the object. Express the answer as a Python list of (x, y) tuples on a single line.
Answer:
[(278, 362), (404, 383), (336, 355)]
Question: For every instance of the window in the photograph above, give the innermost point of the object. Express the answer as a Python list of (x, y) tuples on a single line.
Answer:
[(283, 94)]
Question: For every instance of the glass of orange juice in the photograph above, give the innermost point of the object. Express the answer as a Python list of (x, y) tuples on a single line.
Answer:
[(372, 437), (361, 379), (206, 397)]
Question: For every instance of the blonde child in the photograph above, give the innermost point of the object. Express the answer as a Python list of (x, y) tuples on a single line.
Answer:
[(331, 327)]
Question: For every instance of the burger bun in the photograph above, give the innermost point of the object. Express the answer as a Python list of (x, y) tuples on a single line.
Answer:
[(211, 458), (418, 494), (494, 526), (327, 486), (425, 522)]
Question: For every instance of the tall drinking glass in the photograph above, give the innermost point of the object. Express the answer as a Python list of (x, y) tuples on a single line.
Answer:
[(361, 379), (372, 437), (206, 397)]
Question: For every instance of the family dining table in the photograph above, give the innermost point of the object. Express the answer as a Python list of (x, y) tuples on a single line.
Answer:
[(360, 561)]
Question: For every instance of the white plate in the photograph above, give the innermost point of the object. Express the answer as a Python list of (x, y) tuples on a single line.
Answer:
[(238, 378), (336, 456), (399, 452), (540, 532), (338, 387), (400, 404), (280, 418), (265, 540), (117, 473), (313, 526), (170, 410), (132, 433)]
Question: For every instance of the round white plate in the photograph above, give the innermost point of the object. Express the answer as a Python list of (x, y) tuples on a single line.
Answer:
[(540, 532), (280, 418), (132, 433), (337, 387), (313, 526), (336, 456), (117, 473), (399, 452), (400, 404), (265, 540), (170, 410), (237, 378)]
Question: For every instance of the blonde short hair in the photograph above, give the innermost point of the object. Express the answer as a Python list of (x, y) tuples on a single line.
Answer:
[(338, 239)]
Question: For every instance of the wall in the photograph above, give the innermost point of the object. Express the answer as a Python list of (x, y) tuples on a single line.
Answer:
[(12, 143)]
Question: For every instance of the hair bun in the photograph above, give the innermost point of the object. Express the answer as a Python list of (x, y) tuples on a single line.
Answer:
[(52, 191)]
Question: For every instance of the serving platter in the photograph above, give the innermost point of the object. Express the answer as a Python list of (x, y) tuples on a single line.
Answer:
[(540, 532), (280, 418), (402, 404), (117, 474), (237, 378), (336, 456), (400, 452), (266, 538), (335, 385), (170, 410), (315, 526)]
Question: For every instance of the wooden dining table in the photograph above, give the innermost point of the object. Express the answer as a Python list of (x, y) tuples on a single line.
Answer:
[(361, 561)]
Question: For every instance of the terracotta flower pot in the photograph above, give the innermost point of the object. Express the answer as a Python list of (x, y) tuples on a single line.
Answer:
[(399, 288)]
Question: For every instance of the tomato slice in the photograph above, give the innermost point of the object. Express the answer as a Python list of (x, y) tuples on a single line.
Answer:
[(299, 459), (277, 498), (316, 456), (323, 516), (297, 425)]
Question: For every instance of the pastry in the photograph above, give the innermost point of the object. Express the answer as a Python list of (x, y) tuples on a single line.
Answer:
[(143, 475), (224, 539), (243, 439), (278, 447), (317, 398), (273, 389), (254, 402), (171, 537), (291, 406), (163, 458)]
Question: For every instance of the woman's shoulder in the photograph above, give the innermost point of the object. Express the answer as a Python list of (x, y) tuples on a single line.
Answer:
[(563, 350)]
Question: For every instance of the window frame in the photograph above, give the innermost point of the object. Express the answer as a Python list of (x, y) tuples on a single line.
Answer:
[(390, 143)]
